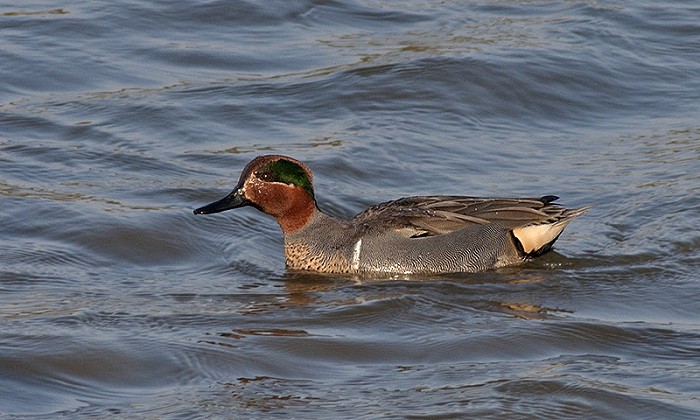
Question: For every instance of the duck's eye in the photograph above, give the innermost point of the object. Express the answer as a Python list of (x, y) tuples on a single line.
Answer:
[(265, 176)]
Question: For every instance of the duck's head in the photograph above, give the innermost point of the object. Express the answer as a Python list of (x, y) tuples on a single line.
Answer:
[(276, 185)]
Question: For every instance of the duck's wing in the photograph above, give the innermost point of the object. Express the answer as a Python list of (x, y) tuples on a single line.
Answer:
[(435, 215)]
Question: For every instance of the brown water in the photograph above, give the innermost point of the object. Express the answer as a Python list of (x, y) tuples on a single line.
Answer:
[(119, 118)]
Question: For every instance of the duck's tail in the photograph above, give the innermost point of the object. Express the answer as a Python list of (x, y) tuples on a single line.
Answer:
[(535, 239)]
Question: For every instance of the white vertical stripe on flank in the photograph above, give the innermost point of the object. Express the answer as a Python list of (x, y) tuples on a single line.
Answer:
[(356, 254)]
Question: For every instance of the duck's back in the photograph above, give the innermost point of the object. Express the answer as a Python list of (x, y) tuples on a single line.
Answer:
[(433, 234)]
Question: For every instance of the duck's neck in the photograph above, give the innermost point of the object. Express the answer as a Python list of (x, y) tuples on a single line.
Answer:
[(317, 222), (297, 217)]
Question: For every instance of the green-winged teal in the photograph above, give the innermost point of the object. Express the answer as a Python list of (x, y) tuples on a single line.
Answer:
[(427, 234)]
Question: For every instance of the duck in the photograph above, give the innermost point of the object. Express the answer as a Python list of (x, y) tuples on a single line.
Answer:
[(434, 234)]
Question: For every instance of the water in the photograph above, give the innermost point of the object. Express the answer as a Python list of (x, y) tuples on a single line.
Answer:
[(119, 118)]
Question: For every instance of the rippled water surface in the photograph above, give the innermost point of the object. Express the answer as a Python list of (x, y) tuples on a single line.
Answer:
[(119, 118)]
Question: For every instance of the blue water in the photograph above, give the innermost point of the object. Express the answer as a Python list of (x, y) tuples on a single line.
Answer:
[(119, 118)]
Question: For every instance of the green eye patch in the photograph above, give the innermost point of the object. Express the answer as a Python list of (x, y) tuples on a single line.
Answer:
[(286, 172)]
